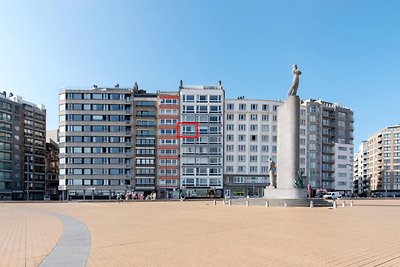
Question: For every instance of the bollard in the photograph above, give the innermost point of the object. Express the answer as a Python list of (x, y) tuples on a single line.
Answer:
[(285, 204), (266, 204), (351, 204), (334, 204), (229, 202), (344, 204), (215, 202), (311, 204), (247, 203)]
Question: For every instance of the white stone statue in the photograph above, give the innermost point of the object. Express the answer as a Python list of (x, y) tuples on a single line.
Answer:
[(295, 83), (272, 177)]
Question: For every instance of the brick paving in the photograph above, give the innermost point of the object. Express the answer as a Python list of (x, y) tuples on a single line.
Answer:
[(201, 234)]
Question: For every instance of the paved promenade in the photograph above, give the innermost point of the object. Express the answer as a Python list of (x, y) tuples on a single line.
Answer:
[(201, 234)]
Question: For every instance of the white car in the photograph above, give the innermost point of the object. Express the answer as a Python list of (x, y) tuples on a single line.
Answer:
[(332, 195)]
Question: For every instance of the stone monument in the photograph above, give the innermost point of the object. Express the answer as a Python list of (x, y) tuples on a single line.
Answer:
[(288, 147)]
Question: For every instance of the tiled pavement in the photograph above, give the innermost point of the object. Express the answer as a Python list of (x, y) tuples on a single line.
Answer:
[(201, 234)]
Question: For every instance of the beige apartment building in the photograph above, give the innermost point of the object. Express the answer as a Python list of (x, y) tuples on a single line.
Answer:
[(384, 161)]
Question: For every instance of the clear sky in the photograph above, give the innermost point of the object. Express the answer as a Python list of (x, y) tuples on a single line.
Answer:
[(347, 50)]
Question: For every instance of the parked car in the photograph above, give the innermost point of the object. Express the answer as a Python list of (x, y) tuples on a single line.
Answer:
[(376, 195), (46, 198), (332, 195)]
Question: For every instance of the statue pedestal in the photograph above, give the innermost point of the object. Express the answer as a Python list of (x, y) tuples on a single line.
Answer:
[(281, 193)]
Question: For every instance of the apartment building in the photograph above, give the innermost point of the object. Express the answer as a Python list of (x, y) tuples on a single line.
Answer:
[(361, 185), (201, 140), (144, 141), (52, 168), (383, 164), (22, 148), (95, 135), (329, 150), (168, 144), (250, 140)]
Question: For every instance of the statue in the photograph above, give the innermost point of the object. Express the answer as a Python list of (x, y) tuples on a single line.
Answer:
[(298, 182), (272, 177), (181, 84), (295, 83), (136, 86)]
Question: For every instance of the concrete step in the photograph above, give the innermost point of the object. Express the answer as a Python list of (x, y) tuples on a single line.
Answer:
[(318, 202)]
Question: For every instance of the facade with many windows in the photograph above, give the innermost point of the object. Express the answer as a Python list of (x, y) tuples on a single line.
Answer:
[(329, 149), (22, 148), (383, 164), (361, 181), (201, 140), (95, 134), (192, 141), (250, 140), (144, 140), (168, 144)]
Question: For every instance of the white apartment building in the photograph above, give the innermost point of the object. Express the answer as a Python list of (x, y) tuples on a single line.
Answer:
[(343, 167), (250, 140), (201, 140), (360, 176)]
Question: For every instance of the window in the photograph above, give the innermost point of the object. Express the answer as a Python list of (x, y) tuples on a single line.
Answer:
[(229, 147), (242, 106), (242, 117), (253, 138), (253, 117), (229, 117), (253, 169), (230, 127), (254, 107), (202, 99), (238, 180), (253, 148), (188, 109), (253, 127), (230, 106), (215, 98), (201, 109), (241, 158), (215, 109), (188, 98), (242, 137), (242, 127)]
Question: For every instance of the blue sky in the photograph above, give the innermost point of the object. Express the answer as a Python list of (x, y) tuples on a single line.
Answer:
[(347, 50)]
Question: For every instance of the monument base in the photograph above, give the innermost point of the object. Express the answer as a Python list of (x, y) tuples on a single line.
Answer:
[(280, 193)]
